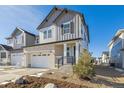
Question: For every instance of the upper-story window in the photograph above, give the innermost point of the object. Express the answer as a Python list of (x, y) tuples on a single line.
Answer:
[(49, 33), (66, 27), (45, 34)]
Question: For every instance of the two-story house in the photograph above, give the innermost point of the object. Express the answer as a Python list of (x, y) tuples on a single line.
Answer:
[(105, 57), (17, 40), (116, 49), (62, 36)]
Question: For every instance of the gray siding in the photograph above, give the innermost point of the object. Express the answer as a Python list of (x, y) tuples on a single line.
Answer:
[(51, 19), (116, 54), (75, 18), (30, 40)]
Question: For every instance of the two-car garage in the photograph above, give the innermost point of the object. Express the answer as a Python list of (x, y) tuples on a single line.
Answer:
[(37, 60), (44, 60), (40, 56)]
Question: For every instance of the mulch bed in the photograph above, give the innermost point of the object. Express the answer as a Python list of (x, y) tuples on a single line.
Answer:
[(40, 82)]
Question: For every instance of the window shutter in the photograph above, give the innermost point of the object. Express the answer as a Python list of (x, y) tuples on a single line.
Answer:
[(72, 27), (62, 29)]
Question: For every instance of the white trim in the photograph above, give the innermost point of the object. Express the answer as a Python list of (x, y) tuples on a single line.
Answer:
[(77, 51), (69, 22)]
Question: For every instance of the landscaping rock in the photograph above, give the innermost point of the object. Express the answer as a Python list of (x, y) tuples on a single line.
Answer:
[(3, 83), (22, 80), (50, 85)]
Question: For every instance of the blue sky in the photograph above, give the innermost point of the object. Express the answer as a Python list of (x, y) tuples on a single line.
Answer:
[(103, 22)]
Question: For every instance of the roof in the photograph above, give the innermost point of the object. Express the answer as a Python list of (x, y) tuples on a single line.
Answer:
[(9, 48), (48, 16), (119, 32), (17, 50), (26, 31), (20, 29), (53, 42), (63, 10)]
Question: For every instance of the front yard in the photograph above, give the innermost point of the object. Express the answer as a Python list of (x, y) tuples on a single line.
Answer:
[(105, 77)]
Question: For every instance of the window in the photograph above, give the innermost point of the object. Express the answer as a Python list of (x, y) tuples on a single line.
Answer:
[(19, 39), (49, 33), (45, 34), (3, 55), (66, 28), (68, 51)]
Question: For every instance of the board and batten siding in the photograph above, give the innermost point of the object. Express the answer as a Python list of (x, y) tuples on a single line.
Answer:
[(69, 17), (51, 19), (29, 40)]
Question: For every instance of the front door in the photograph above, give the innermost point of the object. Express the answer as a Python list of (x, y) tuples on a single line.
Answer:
[(70, 54)]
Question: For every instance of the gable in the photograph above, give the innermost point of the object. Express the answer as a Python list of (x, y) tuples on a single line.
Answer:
[(50, 18), (55, 12), (64, 17), (5, 47), (16, 32)]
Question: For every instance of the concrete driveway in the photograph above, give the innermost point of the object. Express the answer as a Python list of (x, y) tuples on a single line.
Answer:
[(13, 73)]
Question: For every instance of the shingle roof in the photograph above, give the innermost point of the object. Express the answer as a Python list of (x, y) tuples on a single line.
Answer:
[(25, 31), (20, 29), (6, 47)]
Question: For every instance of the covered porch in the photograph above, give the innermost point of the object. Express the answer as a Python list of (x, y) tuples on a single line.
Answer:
[(67, 52)]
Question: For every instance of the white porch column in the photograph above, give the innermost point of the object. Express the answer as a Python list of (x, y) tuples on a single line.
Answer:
[(65, 53), (25, 60), (77, 51)]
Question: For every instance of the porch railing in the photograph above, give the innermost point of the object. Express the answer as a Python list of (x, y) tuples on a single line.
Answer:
[(65, 60)]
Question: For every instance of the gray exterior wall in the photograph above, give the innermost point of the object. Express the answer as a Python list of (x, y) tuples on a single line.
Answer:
[(116, 54), (51, 19), (4, 61), (76, 19), (30, 40)]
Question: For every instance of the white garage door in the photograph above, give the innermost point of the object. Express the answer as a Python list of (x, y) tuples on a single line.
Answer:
[(16, 58), (42, 60)]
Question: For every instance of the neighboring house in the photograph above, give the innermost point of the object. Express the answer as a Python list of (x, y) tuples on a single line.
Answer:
[(17, 40), (5, 54), (105, 57), (99, 60), (116, 49), (62, 36)]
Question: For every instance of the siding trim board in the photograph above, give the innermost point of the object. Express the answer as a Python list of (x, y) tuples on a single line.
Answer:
[(54, 42)]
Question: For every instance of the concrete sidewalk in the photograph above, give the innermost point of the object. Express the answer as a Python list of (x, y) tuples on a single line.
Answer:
[(6, 75)]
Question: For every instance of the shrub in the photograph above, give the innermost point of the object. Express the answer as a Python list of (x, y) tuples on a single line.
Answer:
[(84, 68)]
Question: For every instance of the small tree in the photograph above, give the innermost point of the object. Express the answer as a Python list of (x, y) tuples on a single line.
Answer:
[(84, 68)]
